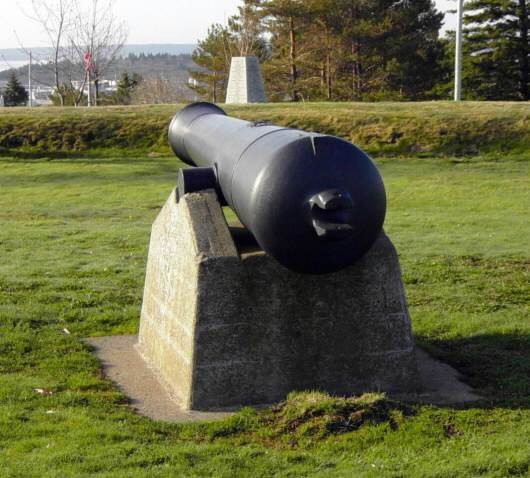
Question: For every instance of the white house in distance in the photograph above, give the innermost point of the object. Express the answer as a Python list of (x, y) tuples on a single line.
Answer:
[(40, 95), (105, 86)]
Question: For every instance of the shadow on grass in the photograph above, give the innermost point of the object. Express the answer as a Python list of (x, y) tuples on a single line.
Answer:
[(496, 365)]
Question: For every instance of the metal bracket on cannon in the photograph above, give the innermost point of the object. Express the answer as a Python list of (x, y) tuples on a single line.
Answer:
[(192, 180)]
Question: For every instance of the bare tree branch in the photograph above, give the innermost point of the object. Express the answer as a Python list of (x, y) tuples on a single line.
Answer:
[(55, 17), (101, 35)]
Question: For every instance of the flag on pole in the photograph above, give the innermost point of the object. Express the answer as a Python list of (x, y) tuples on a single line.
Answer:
[(87, 58)]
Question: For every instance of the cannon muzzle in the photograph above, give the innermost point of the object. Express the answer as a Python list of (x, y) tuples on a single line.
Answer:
[(314, 202)]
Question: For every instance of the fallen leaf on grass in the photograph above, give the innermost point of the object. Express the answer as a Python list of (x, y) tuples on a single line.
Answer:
[(43, 391)]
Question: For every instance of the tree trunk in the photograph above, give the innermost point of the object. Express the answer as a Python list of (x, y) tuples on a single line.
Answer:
[(96, 91), (356, 71), (79, 96), (60, 94), (57, 47), (292, 60), (353, 77), (328, 66), (214, 89), (355, 53), (523, 18)]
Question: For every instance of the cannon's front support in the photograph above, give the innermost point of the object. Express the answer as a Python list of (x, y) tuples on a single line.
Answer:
[(225, 328)]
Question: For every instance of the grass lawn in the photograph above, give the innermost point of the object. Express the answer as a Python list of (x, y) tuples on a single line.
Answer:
[(73, 243)]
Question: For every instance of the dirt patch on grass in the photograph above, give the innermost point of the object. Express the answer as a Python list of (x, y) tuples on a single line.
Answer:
[(318, 415)]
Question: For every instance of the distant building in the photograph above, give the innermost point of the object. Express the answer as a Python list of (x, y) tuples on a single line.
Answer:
[(108, 86), (2, 102), (40, 95), (105, 86)]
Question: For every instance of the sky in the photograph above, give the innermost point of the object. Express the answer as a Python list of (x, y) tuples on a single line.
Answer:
[(149, 21)]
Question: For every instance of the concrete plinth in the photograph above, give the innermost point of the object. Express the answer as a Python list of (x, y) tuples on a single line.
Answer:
[(225, 329), (245, 84)]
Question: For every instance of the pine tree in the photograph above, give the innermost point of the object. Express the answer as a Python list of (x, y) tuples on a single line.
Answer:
[(212, 56), (330, 49), (354, 49), (126, 85), (497, 49), (288, 20), (15, 94), (326, 24), (412, 50), (247, 29)]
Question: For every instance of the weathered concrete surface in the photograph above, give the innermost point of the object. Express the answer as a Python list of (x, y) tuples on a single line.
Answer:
[(123, 365), (143, 386), (245, 84), (225, 330), (183, 238), (440, 383)]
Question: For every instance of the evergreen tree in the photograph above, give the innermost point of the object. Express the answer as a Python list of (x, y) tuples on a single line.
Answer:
[(247, 29), (212, 56), (287, 23), (326, 24), (496, 50), (126, 85), (330, 49), (412, 50), (356, 49), (362, 25), (15, 94), (444, 86)]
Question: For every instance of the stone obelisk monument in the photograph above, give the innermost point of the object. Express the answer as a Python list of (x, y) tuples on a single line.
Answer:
[(245, 84)]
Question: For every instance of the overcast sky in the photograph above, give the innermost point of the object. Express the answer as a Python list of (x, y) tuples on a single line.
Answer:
[(149, 21)]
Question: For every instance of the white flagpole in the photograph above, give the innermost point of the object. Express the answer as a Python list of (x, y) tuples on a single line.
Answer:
[(89, 89), (458, 52)]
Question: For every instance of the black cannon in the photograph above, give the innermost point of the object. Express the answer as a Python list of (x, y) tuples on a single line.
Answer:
[(314, 202)]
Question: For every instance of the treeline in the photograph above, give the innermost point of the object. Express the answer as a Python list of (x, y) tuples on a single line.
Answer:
[(369, 50)]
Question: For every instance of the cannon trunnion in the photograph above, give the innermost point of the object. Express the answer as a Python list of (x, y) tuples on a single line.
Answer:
[(314, 202)]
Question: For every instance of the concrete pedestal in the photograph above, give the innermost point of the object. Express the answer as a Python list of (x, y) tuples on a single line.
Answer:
[(245, 84), (225, 329)]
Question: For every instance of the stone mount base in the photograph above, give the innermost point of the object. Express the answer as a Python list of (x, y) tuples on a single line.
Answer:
[(225, 329), (121, 363)]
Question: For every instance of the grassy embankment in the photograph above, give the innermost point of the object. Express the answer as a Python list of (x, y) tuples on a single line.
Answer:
[(439, 128), (74, 240)]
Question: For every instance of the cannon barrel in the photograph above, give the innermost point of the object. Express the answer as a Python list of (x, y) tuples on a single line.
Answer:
[(314, 202)]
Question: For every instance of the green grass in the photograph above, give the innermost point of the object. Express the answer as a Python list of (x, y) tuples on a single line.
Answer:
[(73, 242), (495, 129)]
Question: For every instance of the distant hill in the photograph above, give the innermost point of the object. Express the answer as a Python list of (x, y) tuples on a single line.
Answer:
[(159, 49), (14, 54), (162, 65)]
